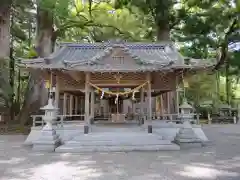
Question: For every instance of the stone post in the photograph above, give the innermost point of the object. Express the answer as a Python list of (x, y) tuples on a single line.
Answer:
[(209, 118), (48, 139)]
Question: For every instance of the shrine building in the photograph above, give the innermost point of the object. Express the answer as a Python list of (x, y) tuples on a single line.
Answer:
[(114, 82)]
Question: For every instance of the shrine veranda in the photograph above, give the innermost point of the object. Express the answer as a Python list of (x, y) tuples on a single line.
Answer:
[(126, 84)]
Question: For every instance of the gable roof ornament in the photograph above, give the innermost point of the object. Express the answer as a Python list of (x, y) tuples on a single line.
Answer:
[(168, 49), (117, 41)]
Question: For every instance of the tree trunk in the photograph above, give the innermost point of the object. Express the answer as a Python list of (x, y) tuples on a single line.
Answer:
[(228, 85), (5, 10), (37, 94), (217, 92), (12, 72), (163, 33), (5, 31)]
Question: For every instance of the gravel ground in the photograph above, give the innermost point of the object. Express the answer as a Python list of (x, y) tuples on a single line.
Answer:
[(220, 160)]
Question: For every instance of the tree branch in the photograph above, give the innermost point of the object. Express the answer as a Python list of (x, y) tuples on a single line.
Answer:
[(78, 24), (224, 44), (90, 8)]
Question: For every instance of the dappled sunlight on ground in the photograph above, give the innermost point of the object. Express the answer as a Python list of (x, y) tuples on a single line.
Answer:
[(219, 161), (63, 168), (205, 172), (13, 160)]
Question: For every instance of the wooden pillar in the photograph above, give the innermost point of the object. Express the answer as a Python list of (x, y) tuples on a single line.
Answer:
[(76, 104), (92, 102), (64, 103), (87, 79), (71, 105), (80, 105), (57, 93), (177, 96), (168, 102), (149, 90), (162, 105), (177, 100), (141, 101)]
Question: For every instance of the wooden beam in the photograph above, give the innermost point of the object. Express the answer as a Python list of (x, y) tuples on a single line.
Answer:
[(78, 76)]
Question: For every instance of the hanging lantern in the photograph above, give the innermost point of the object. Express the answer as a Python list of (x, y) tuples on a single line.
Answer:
[(185, 84), (47, 84)]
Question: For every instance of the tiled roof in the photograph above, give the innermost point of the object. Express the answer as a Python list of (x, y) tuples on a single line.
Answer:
[(88, 57)]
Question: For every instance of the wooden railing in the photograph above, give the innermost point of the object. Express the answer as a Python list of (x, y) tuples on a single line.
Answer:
[(175, 117), (68, 119), (61, 119)]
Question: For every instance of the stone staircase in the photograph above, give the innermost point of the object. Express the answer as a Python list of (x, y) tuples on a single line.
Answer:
[(124, 141)]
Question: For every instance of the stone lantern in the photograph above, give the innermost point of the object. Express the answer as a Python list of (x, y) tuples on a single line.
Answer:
[(48, 139), (186, 137), (186, 112)]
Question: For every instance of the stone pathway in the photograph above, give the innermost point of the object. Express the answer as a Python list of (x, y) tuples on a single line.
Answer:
[(219, 161)]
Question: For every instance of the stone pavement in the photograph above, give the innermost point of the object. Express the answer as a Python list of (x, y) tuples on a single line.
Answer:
[(220, 160)]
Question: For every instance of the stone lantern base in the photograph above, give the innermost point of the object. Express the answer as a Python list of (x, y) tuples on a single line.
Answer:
[(48, 141), (186, 138)]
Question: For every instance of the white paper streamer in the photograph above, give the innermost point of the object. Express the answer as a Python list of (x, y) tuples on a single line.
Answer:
[(116, 100), (102, 95), (133, 96)]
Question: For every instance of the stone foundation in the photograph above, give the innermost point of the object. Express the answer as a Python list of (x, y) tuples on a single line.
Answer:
[(167, 131), (48, 141), (186, 137)]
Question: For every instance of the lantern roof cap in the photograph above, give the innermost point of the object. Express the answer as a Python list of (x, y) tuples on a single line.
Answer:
[(50, 105), (185, 105)]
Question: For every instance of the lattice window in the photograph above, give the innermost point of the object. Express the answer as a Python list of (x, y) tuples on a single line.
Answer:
[(119, 59)]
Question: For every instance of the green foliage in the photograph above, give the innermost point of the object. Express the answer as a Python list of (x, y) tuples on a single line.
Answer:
[(5, 88), (32, 53)]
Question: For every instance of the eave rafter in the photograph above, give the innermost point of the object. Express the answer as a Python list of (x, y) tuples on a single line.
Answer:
[(78, 76)]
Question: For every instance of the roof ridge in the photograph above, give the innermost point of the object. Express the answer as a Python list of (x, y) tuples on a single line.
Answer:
[(56, 53), (109, 44)]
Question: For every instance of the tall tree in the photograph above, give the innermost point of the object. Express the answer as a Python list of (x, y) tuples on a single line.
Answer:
[(36, 94), (5, 90), (159, 13), (5, 11)]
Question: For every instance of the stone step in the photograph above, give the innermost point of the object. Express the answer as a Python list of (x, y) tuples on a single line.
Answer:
[(122, 142), (84, 149), (117, 136)]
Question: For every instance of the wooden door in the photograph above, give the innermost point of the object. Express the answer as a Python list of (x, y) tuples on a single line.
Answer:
[(115, 108)]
